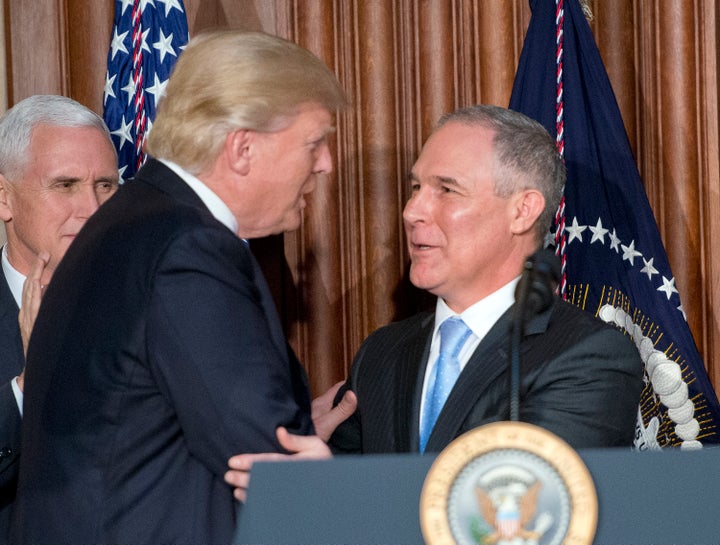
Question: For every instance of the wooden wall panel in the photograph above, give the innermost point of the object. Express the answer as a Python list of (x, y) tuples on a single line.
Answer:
[(57, 47), (403, 63), (679, 161), (87, 33), (242, 14), (36, 54), (708, 38)]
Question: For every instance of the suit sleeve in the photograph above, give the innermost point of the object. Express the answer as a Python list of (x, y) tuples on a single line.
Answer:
[(211, 347), (588, 394), (10, 422)]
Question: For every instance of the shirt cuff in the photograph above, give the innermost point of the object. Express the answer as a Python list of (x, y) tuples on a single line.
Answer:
[(18, 395)]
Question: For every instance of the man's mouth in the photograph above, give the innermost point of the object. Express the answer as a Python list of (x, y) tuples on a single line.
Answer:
[(421, 246)]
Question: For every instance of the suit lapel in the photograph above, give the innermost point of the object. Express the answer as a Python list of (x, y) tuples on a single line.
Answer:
[(489, 360), (12, 358), (268, 305), (411, 373)]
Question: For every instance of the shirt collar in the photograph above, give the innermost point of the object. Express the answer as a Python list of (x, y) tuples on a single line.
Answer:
[(215, 204), (481, 316)]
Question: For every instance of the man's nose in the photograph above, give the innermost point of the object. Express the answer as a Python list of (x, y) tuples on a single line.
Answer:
[(86, 201), (324, 162), (416, 207)]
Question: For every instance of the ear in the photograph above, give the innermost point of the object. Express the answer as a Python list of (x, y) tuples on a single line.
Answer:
[(526, 207), (5, 207), (237, 149)]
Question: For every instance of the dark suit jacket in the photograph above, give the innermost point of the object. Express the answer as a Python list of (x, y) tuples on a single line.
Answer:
[(155, 358), (580, 379), (11, 363)]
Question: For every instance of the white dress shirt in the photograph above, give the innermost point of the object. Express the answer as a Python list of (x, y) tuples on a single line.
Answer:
[(209, 198), (15, 281), (479, 317)]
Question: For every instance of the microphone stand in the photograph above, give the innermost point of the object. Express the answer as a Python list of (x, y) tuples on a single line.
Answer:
[(516, 333), (533, 294)]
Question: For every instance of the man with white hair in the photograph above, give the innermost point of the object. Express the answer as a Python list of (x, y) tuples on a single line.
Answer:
[(57, 166)]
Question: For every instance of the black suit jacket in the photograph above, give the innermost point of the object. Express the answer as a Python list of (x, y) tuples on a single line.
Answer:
[(11, 363), (580, 379), (156, 357)]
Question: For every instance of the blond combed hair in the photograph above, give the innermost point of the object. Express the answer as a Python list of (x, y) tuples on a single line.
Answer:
[(229, 80)]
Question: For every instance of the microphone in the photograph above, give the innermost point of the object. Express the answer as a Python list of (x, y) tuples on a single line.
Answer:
[(533, 294), (540, 277)]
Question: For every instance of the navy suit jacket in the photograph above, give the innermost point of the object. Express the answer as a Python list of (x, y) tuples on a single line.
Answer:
[(156, 357), (580, 378), (11, 363)]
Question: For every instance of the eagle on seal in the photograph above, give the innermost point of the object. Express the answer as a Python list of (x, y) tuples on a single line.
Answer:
[(508, 512)]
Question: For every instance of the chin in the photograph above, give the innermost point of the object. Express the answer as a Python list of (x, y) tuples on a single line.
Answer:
[(420, 281), (291, 225)]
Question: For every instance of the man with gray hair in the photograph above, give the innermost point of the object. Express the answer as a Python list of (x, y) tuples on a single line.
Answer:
[(158, 352), (483, 194), (57, 166)]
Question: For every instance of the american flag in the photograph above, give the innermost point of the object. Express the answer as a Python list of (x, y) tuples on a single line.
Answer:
[(616, 265), (147, 38)]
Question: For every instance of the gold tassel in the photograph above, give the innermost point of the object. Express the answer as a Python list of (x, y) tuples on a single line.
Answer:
[(585, 5)]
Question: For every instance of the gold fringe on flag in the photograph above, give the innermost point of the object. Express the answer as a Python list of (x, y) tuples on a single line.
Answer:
[(585, 5)]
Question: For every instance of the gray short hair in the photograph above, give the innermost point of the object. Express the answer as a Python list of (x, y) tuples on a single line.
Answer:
[(525, 155), (17, 124)]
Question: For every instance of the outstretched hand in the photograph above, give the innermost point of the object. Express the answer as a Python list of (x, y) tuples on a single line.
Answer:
[(31, 296), (303, 447)]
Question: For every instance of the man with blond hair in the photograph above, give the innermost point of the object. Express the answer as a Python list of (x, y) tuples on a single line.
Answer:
[(158, 353)]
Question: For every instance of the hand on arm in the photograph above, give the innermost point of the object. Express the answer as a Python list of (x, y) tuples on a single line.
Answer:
[(325, 419), (31, 297), (303, 447)]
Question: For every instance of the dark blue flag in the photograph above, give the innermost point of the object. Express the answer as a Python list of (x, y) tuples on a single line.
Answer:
[(615, 263), (148, 36)]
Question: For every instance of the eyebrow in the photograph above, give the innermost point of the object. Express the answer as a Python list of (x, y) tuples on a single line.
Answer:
[(63, 178), (326, 132), (75, 179), (447, 180), (108, 178), (442, 179)]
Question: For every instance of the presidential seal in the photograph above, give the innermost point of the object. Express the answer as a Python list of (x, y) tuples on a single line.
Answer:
[(508, 483)]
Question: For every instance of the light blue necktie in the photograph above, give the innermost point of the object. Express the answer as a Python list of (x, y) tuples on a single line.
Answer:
[(453, 334)]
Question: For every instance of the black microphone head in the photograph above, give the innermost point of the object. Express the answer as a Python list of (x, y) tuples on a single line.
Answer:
[(547, 264), (539, 281)]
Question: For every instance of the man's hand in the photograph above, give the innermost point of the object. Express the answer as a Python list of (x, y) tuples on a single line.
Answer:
[(304, 447), (326, 417), (31, 297)]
